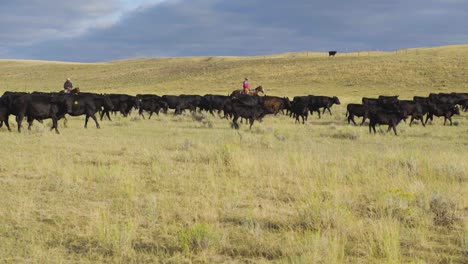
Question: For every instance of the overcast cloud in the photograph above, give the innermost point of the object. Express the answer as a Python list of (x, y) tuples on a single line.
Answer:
[(106, 30)]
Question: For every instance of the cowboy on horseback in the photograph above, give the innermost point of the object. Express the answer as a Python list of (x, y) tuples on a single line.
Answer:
[(67, 86), (246, 86)]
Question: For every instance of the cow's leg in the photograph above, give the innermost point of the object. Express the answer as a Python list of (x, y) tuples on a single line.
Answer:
[(234, 122), (7, 125), (55, 125), (19, 119), (151, 113), (445, 120), (427, 118), (319, 113), (108, 116), (422, 121), (329, 111), (363, 120), (251, 122), (86, 121), (370, 128), (141, 113), (30, 122), (394, 129), (95, 121), (351, 117), (411, 121)]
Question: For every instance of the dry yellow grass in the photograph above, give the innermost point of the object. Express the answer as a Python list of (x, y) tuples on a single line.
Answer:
[(173, 189)]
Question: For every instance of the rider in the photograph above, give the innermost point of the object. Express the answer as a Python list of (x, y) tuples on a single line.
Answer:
[(68, 86), (246, 86)]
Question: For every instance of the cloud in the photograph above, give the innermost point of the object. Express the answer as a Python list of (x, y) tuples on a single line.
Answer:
[(216, 27)]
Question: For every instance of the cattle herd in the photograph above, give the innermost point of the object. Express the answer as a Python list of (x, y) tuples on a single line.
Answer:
[(384, 110)]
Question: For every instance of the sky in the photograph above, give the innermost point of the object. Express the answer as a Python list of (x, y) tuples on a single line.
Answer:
[(106, 30)]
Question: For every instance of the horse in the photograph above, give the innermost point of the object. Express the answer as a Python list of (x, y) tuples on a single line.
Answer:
[(255, 91), (72, 91)]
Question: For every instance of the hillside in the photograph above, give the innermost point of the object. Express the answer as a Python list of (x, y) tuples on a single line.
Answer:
[(408, 72)]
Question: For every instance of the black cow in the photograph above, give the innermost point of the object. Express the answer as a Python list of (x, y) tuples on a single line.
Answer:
[(122, 103), (332, 53), (414, 109), (86, 104), (445, 110), (182, 102), (249, 112), (356, 110), (39, 106), (300, 108), (392, 119), (324, 102), (211, 102), (4, 113), (152, 105)]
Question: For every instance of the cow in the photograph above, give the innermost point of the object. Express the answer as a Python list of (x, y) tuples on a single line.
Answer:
[(4, 114), (356, 110), (324, 102), (300, 108), (211, 102), (122, 103), (151, 105), (248, 112), (39, 106), (332, 53), (392, 119), (445, 110), (182, 102), (274, 104), (414, 109), (87, 105)]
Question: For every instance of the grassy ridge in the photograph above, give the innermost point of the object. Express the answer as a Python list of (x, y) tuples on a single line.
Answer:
[(411, 72), (174, 189)]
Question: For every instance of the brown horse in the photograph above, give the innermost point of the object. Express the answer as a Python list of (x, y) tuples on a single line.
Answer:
[(72, 91), (255, 91)]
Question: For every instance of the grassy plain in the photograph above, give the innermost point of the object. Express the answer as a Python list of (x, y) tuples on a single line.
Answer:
[(186, 189)]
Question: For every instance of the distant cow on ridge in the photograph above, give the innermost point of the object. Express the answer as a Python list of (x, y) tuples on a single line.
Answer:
[(332, 53)]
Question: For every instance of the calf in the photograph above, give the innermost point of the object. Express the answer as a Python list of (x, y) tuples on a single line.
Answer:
[(356, 110)]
